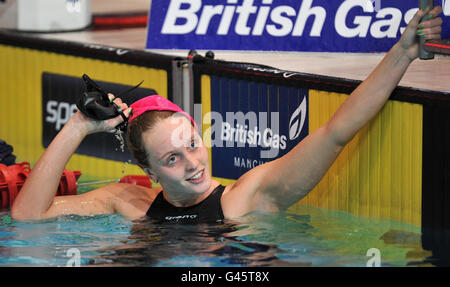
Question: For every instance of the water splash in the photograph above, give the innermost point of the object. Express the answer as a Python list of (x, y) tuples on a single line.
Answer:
[(119, 136)]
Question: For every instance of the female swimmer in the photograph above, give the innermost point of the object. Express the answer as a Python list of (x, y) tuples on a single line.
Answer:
[(188, 192)]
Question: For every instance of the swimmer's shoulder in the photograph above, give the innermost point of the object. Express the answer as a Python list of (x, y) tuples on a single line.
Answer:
[(129, 199)]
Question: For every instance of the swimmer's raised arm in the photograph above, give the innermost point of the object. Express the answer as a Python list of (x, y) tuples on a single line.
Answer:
[(282, 182), (36, 199)]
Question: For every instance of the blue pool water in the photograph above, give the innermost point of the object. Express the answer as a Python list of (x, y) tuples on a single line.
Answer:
[(307, 237)]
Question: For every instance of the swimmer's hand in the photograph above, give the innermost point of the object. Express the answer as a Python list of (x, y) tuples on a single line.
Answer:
[(89, 126), (430, 29)]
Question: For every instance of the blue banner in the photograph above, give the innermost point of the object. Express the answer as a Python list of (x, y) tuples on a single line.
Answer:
[(253, 123), (282, 25)]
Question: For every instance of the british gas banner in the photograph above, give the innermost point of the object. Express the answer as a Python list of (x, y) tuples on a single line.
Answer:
[(253, 123), (282, 25)]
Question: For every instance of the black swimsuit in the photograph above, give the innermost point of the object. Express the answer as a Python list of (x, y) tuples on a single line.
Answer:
[(209, 210)]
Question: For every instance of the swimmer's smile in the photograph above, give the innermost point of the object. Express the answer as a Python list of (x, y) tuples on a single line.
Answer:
[(198, 177)]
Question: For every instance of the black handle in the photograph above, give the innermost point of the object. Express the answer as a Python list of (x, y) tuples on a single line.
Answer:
[(425, 55)]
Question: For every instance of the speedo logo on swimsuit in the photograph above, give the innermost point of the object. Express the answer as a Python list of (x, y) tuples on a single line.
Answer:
[(258, 17), (262, 136), (179, 217)]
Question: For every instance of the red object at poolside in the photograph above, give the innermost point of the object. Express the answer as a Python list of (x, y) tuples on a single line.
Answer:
[(13, 177), (137, 179), (11, 181), (114, 21)]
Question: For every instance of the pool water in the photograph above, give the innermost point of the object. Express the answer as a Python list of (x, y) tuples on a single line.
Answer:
[(307, 237)]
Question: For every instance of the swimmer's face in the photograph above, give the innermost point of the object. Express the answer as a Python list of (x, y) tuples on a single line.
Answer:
[(177, 156)]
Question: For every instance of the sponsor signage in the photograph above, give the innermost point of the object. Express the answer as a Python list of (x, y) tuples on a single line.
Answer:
[(282, 25), (253, 123), (59, 96)]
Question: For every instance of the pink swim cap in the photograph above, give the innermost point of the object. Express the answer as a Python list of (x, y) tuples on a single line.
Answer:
[(156, 103)]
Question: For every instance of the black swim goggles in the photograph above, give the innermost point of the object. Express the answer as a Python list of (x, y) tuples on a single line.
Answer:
[(95, 103)]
